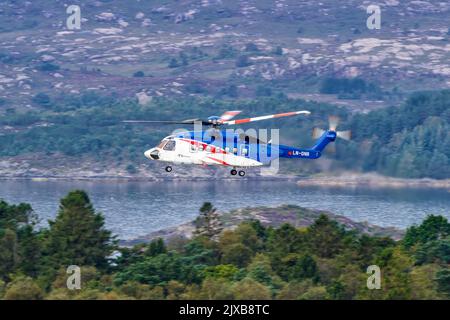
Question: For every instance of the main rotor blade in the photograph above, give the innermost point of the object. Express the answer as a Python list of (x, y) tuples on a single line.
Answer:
[(193, 121), (271, 116), (228, 115)]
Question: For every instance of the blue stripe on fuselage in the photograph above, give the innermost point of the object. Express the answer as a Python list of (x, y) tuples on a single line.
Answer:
[(263, 152)]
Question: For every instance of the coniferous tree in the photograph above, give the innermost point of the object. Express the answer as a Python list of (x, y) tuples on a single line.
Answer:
[(156, 247), (18, 244), (8, 253), (326, 237), (77, 236), (208, 223), (432, 228)]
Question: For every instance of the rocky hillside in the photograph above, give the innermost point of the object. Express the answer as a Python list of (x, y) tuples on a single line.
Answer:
[(213, 47), (294, 215), (64, 93)]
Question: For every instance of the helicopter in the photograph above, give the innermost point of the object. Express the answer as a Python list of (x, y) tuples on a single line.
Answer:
[(232, 149)]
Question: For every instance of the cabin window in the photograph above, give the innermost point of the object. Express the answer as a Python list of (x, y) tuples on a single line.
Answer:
[(193, 148), (170, 145), (208, 149)]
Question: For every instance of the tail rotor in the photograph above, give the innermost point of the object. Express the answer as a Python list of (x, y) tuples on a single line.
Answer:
[(332, 133), (333, 122)]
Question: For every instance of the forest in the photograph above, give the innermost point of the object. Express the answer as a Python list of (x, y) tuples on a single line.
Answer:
[(252, 261), (409, 141)]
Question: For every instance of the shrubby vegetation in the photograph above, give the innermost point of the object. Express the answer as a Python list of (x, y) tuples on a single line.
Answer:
[(139, 74), (48, 66), (226, 52), (350, 88), (41, 99), (322, 261), (251, 47), (410, 140), (343, 85), (243, 61)]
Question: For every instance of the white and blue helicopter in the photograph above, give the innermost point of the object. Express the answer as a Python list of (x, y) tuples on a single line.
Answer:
[(236, 150)]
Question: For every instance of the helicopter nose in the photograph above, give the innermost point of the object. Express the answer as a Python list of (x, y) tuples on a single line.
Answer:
[(152, 154)]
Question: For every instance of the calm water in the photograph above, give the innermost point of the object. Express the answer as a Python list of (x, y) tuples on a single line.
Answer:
[(137, 208)]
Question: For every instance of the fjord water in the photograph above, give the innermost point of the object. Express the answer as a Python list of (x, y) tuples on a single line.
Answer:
[(133, 209)]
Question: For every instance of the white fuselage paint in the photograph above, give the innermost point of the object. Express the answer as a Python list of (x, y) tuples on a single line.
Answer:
[(187, 151)]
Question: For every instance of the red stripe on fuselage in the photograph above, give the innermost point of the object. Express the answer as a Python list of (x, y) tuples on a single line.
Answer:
[(214, 149), (219, 161)]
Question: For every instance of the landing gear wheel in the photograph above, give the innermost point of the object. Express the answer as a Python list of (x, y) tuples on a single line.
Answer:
[(241, 173), (168, 168), (233, 172)]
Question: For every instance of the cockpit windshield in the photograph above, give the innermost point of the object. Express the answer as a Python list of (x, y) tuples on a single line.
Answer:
[(162, 144), (170, 145)]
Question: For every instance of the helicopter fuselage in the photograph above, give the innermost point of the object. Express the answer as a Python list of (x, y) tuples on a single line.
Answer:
[(225, 149)]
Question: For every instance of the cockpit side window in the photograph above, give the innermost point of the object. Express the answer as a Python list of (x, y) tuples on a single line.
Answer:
[(170, 145)]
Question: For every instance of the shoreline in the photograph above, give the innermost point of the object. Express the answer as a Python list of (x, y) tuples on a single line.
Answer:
[(344, 180), (291, 178), (372, 180)]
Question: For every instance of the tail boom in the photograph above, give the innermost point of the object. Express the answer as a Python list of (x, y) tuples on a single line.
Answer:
[(314, 153), (291, 152), (327, 137)]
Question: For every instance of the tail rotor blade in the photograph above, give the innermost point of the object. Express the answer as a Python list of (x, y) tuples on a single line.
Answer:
[(346, 135), (317, 133), (333, 121)]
